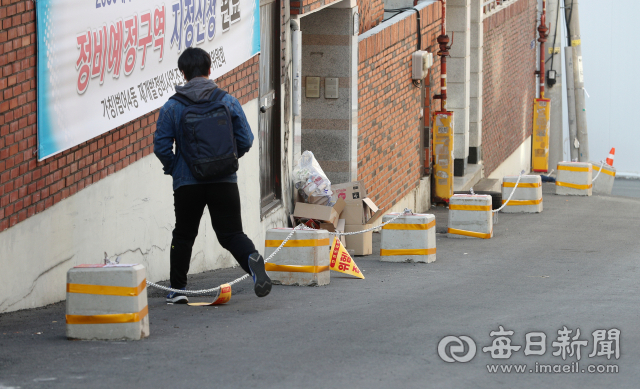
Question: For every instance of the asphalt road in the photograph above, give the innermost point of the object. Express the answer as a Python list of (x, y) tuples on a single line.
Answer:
[(574, 265), (626, 187)]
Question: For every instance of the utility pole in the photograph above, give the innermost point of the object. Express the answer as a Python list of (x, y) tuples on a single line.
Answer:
[(554, 82), (573, 16), (571, 104)]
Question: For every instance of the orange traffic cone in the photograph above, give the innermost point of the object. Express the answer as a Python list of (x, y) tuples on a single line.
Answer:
[(612, 154)]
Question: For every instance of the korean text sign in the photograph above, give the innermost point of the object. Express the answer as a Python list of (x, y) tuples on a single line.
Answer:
[(103, 63)]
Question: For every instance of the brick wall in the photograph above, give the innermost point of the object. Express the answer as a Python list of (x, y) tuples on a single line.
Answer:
[(299, 7), (371, 14), (389, 123), (509, 85), (28, 186)]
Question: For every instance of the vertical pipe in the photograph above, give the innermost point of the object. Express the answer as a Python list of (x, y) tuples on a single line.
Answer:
[(296, 49), (443, 42), (542, 30)]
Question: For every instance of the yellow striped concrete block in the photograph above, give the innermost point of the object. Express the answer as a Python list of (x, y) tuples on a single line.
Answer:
[(574, 179), (107, 302), (410, 238), (527, 197), (604, 184), (470, 217), (304, 260)]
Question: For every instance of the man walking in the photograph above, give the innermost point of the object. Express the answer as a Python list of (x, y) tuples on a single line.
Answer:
[(220, 193)]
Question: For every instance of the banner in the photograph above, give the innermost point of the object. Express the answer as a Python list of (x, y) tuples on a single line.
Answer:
[(341, 261), (104, 63)]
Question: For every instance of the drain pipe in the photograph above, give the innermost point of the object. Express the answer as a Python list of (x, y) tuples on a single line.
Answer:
[(542, 30), (296, 54), (443, 42)]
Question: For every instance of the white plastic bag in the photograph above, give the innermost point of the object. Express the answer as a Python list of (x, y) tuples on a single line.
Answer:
[(311, 182)]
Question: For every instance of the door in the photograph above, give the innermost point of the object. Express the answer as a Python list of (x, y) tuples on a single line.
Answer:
[(269, 116)]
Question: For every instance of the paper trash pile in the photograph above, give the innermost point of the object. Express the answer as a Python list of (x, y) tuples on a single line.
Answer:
[(339, 207)]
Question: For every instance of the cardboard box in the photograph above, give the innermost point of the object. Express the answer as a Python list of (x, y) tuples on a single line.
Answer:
[(359, 212), (339, 228), (349, 191), (359, 244), (320, 213)]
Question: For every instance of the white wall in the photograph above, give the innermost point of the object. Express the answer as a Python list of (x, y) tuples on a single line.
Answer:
[(610, 56), (130, 214)]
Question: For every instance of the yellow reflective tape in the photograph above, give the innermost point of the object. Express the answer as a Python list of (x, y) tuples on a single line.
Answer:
[(107, 290), (574, 186), (108, 319), (522, 185), (298, 243), (576, 42), (609, 172), (400, 226), (294, 269), (574, 168), (384, 252), (459, 207), (469, 233), (522, 202)]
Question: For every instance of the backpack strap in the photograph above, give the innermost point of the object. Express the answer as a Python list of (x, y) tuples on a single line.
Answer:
[(218, 94), (182, 99)]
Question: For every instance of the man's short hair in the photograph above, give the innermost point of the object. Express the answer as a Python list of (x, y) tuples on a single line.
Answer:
[(194, 62)]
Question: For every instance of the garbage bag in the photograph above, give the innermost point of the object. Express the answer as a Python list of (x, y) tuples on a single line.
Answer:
[(311, 182)]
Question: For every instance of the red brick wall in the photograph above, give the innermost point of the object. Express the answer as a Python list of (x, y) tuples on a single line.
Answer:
[(299, 7), (28, 186), (509, 85), (371, 14), (389, 123)]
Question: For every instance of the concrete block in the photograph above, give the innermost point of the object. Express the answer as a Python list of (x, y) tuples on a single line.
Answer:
[(604, 184), (475, 109), (457, 95), (476, 11), (470, 216), (457, 69), (107, 302), (574, 179), (476, 59), (458, 3), (461, 145), (458, 18), (303, 261), (475, 134), (477, 36), (527, 197), (475, 86), (410, 238), (462, 44)]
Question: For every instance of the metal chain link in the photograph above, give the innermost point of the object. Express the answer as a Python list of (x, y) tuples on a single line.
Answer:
[(599, 171)]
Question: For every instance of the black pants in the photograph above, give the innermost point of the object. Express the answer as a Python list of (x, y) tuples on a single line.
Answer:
[(223, 201)]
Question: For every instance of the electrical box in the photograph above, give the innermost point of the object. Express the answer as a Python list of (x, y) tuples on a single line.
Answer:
[(443, 156), (540, 139), (313, 87), (331, 88), (422, 61)]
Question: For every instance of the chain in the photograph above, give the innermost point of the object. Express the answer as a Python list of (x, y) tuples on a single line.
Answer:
[(511, 195), (244, 277), (406, 211), (601, 166), (239, 279)]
